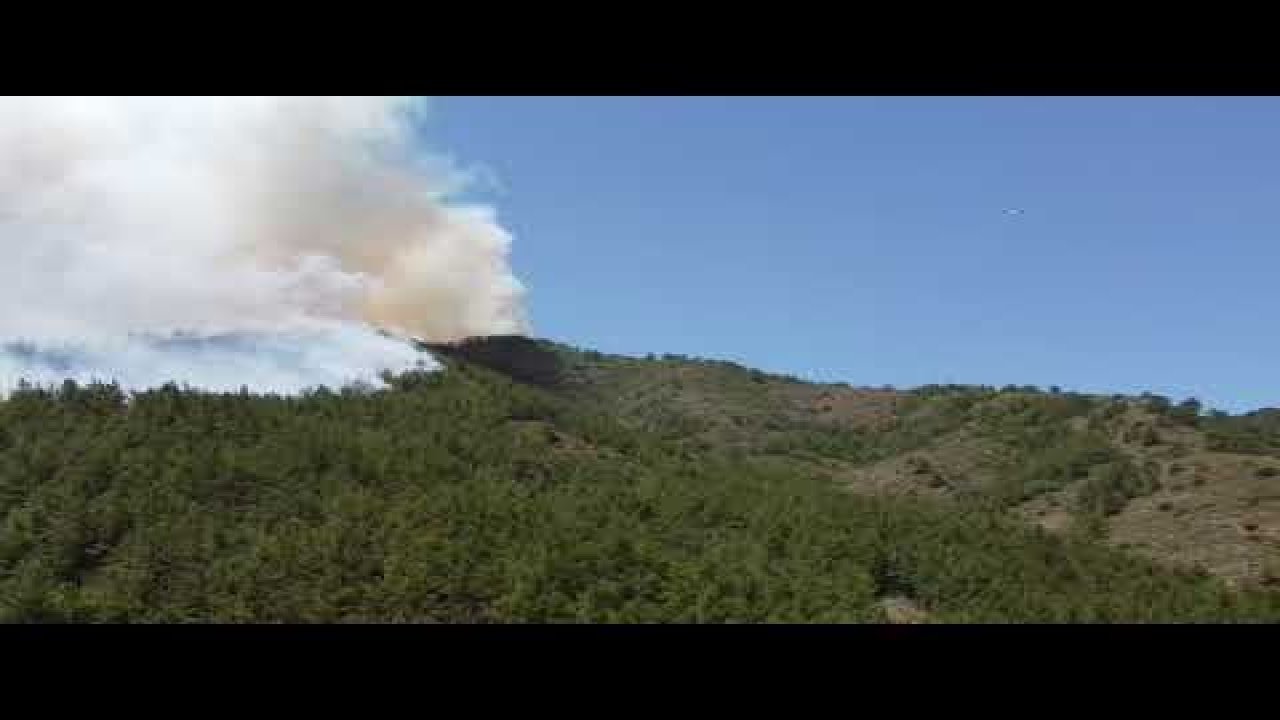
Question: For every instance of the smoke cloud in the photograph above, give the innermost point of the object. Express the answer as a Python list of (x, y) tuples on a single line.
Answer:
[(286, 363), (285, 222)]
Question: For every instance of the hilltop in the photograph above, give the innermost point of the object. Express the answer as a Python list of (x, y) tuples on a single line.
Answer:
[(529, 481)]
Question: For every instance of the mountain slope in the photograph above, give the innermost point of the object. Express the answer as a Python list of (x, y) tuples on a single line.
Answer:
[(596, 489), (1160, 480)]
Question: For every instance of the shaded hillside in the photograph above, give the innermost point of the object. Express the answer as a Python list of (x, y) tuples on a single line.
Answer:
[(525, 360)]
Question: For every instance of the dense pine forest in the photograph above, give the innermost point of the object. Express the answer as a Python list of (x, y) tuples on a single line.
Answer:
[(532, 482)]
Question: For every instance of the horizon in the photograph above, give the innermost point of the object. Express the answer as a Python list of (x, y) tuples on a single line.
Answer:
[(60, 353), (661, 355)]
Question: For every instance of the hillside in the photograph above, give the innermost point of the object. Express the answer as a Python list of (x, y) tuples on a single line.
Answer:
[(1160, 480), (533, 482)]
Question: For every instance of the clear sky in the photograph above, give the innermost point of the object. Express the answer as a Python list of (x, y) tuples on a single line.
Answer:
[(1099, 244)]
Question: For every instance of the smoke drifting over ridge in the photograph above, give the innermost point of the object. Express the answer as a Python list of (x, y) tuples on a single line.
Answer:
[(308, 218)]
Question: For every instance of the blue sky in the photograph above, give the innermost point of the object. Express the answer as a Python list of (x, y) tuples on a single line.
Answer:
[(868, 240)]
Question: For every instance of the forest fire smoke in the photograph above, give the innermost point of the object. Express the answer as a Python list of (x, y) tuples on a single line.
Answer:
[(281, 222)]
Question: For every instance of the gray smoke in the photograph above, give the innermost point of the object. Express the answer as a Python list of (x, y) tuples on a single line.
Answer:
[(287, 222)]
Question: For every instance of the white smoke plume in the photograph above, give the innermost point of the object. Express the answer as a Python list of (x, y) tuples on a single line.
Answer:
[(286, 363), (310, 219)]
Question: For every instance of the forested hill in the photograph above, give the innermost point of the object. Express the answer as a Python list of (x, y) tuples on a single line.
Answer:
[(532, 482)]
